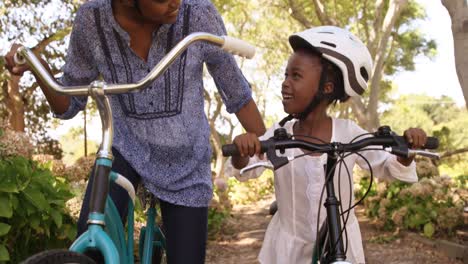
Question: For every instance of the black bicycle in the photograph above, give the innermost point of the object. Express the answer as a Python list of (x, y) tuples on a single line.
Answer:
[(329, 246)]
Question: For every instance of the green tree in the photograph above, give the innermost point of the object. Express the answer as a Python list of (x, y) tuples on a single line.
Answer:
[(74, 148), (32, 23), (386, 26), (439, 117)]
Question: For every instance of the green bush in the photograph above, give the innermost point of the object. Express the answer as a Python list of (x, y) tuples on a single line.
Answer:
[(251, 190), (216, 218), (430, 205), (33, 215)]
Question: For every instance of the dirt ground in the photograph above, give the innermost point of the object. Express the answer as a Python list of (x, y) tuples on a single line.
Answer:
[(241, 239)]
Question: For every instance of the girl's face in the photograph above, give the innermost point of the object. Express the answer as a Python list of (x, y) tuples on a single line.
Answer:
[(159, 11), (301, 81)]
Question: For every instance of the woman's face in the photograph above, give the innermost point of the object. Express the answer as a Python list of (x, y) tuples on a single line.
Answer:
[(159, 11), (301, 81)]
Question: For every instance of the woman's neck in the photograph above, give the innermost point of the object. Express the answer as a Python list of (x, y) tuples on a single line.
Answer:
[(130, 19)]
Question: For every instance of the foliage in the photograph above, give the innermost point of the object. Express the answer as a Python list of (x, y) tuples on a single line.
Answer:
[(33, 24), (216, 218), (429, 206), (275, 22), (49, 146), (73, 139), (13, 143), (81, 169), (439, 117), (33, 215), (251, 190)]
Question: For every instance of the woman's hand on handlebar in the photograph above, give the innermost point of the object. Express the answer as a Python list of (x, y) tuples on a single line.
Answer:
[(417, 138), (10, 63)]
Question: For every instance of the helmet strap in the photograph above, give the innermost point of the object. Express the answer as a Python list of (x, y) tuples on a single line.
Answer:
[(285, 120), (318, 97)]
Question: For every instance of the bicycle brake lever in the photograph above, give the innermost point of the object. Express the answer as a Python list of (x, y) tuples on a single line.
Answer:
[(265, 164), (431, 155), (277, 162)]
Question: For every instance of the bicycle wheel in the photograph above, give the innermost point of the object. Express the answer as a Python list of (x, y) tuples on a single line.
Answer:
[(58, 256)]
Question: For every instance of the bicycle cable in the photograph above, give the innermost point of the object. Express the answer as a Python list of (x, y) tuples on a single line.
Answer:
[(338, 163), (350, 181), (327, 178), (365, 134), (312, 137)]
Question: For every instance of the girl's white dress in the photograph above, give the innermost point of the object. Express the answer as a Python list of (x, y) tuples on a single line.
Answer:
[(291, 234)]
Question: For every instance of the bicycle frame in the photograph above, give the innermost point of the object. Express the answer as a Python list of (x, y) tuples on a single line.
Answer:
[(103, 213)]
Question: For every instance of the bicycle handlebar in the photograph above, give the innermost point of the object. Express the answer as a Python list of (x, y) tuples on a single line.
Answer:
[(395, 144), (98, 89), (229, 44)]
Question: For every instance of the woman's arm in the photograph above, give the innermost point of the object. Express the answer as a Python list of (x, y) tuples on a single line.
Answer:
[(58, 103), (250, 118)]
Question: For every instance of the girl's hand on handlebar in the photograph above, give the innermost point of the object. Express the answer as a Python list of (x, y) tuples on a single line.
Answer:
[(10, 64), (416, 137), (248, 144)]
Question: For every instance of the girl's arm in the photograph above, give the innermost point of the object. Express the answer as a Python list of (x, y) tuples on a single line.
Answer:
[(384, 165), (249, 145)]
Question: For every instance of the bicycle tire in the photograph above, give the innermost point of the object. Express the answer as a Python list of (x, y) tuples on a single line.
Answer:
[(58, 256)]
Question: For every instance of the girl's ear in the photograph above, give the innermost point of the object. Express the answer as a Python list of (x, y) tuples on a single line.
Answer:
[(328, 88)]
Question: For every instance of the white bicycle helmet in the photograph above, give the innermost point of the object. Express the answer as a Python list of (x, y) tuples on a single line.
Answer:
[(341, 48)]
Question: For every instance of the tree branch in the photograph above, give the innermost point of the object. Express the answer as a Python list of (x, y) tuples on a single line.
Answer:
[(359, 111), (394, 10), (297, 14), (58, 35), (322, 14), (453, 152), (375, 35)]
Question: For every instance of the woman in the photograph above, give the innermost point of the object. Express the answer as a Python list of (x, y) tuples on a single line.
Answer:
[(161, 133)]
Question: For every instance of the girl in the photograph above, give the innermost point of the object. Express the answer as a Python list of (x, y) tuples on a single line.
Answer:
[(329, 64), (161, 133)]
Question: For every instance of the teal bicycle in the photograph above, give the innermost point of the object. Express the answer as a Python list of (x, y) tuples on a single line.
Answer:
[(106, 232)]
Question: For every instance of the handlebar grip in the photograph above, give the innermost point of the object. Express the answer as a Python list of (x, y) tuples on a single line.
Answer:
[(230, 150), (19, 59), (431, 143), (238, 47)]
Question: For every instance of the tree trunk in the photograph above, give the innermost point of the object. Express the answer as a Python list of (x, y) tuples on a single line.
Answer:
[(458, 10), (11, 89), (14, 103), (394, 10)]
